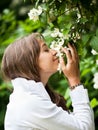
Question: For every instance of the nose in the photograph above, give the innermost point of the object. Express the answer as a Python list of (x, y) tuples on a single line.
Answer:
[(54, 52)]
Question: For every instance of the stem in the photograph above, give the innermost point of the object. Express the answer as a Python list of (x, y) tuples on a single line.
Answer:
[(36, 4), (51, 2), (78, 6), (65, 11)]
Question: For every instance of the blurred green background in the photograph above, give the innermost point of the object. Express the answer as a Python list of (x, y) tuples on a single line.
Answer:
[(79, 18)]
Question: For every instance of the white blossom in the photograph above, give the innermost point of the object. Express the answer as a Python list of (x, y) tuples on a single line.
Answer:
[(78, 15), (51, 11), (57, 48), (59, 68), (60, 1), (94, 52), (34, 13), (97, 62), (67, 11), (56, 33), (77, 35), (57, 44), (45, 1), (60, 41), (95, 80)]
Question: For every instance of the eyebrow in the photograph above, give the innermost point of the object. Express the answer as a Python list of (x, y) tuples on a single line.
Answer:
[(44, 45)]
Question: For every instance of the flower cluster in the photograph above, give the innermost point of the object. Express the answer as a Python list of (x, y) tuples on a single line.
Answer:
[(34, 13), (97, 62), (95, 80), (58, 43), (94, 52)]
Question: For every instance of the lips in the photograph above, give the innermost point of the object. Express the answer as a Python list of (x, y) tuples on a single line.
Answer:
[(56, 58)]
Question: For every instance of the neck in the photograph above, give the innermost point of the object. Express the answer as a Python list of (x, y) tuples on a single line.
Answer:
[(44, 78)]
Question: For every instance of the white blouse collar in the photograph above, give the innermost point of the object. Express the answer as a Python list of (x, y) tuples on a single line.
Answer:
[(22, 84)]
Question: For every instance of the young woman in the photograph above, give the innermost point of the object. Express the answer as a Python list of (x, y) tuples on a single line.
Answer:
[(29, 63)]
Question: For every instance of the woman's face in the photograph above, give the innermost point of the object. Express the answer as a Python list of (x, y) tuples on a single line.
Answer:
[(48, 61)]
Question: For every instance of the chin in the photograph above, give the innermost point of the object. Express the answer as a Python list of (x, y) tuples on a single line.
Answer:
[(55, 71)]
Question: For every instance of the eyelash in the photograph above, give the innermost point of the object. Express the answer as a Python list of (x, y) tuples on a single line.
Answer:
[(46, 50)]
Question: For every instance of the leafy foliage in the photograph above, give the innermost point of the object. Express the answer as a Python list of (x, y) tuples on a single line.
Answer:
[(79, 19)]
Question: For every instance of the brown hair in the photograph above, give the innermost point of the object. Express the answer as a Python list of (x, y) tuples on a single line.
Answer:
[(21, 58), (56, 98)]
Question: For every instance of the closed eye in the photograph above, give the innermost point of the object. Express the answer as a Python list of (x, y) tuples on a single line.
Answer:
[(46, 50)]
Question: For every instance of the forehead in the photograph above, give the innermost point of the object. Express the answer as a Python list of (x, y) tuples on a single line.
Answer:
[(41, 40), (41, 43)]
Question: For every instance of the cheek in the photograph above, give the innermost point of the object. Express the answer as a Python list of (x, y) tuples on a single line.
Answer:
[(45, 61)]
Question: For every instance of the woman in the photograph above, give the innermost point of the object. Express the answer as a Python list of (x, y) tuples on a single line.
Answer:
[(29, 63)]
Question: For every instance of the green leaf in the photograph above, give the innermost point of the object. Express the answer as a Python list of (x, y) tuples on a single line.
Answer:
[(66, 96), (94, 43), (86, 71), (97, 32), (83, 20), (94, 102), (85, 38), (2, 114)]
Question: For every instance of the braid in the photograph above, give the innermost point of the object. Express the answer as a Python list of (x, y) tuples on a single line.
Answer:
[(56, 98)]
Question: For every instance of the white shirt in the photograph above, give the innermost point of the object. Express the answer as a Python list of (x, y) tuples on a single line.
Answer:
[(30, 108)]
